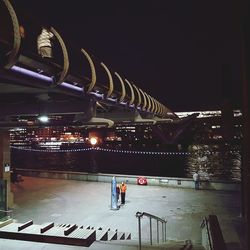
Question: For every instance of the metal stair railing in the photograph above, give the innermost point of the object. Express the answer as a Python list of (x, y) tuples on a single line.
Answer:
[(212, 237), (163, 222), (205, 224)]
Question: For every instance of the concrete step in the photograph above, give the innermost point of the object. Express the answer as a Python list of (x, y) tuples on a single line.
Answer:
[(5, 222), (102, 234), (112, 235), (85, 227), (133, 245), (120, 236), (67, 234), (181, 245), (106, 234), (127, 236)]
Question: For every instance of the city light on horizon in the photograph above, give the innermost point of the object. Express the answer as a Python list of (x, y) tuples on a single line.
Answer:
[(93, 141), (43, 118)]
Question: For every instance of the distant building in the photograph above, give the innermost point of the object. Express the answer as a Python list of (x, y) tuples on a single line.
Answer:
[(209, 127)]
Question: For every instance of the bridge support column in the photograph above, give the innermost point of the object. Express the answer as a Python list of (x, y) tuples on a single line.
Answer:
[(5, 164)]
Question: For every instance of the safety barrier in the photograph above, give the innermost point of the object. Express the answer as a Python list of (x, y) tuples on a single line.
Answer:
[(174, 182)]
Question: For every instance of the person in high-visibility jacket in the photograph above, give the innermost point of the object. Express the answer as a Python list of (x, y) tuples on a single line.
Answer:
[(123, 188)]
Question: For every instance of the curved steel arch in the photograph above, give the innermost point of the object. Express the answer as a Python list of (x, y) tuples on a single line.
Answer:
[(138, 94), (132, 93), (138, 98), (92, 68), (144, 99), (65, 70), (153, 104), (14, 53), (158, 107), (149, 103), (160, 110), (123, 88), (111, 83)]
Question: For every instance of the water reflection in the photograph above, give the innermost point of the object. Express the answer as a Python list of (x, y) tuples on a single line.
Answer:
[(214, 162), (217, 162)]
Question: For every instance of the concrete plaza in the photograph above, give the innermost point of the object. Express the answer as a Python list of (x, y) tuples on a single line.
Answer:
[(88, 203)]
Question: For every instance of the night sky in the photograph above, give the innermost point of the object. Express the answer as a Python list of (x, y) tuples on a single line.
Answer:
[(186, 54)]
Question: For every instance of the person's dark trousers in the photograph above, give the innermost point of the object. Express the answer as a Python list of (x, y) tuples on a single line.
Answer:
[(123, 198), (196, 184)]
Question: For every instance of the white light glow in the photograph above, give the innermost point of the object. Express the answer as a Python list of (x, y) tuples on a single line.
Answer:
[(43, 118), (93, 141)]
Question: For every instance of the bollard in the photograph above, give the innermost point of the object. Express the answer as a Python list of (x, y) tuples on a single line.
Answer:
[(114, 205)]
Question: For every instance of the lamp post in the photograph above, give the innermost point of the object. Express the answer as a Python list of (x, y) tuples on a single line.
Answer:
[(93, 142)]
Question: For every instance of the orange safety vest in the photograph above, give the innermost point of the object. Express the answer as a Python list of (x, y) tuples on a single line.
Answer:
[(123, 188)]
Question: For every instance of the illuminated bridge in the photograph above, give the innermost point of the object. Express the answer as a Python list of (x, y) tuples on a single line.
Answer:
[(73, 88)]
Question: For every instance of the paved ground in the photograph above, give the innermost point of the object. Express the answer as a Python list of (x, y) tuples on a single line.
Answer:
[(88, 203)]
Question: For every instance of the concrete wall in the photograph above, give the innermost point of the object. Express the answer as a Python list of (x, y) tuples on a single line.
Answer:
[(131, 179)]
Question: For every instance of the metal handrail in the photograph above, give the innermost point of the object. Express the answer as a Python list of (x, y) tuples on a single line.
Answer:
[(215, 236), (8, 213), (139, 215), (204, 223)]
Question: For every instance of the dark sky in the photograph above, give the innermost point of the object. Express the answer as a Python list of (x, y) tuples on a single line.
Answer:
[(186, 54)]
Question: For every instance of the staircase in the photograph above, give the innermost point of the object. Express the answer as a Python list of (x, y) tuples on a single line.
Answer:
[(133, 245), (67, 234)]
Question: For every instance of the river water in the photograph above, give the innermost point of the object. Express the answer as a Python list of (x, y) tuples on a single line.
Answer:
[(212, 163)]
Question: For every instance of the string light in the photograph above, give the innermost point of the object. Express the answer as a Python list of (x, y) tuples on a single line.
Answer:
[(51, 150), (99, 149), (108, 150)]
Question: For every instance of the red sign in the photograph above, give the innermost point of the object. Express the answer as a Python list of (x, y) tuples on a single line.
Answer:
[(142, 181)]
